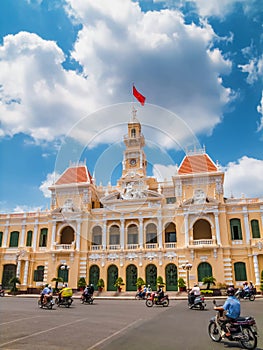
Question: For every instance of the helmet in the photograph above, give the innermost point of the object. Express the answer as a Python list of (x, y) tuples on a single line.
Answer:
[(195, 285), (91, 285), (49, 286), (149, 285), (46, 285), (230, 291), (245, 283)]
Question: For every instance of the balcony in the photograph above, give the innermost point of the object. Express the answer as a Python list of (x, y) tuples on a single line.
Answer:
[(203, 242), (114, 247), (170, 245), (67, 247), (96, 247), (151, 246), (132, 246)]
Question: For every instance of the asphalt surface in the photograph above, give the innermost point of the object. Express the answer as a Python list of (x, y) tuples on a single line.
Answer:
[(112, 324)]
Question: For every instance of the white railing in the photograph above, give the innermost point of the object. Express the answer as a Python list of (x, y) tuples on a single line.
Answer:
[(151, 245), (64, 246), (96, 247), (114, 247), (170, 245), (132, 246), (238, 241), (202, 242)]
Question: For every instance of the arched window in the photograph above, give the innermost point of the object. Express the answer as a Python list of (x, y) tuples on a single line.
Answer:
[(14, 237), (151, 275), (43, 237), (29, 238), (114, 235), (204, 270), (39, 274), (240, 271), (96, 235), (255, 229), (67, 235), (94, 275), (132, 234), (170, 233), (202, 230), (235, 227), (151, 233), (133, 133), (131, 277)]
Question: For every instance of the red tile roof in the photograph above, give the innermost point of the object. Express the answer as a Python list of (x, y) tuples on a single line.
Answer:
[(72, 175), (197, 163)]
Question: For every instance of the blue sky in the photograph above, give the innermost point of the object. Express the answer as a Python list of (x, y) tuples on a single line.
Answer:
[(66, 74)]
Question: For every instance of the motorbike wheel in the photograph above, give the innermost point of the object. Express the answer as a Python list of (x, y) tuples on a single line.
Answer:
[(214, 332), (249, 339), (252, 297), (165, 303), (49, 306), (2, 294), (149, 303), (201, 306), (39, 304)]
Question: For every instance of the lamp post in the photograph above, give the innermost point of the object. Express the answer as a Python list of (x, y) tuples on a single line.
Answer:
[(64, 267), (187, 266)]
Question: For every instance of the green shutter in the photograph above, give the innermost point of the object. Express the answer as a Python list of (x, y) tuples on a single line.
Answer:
[(14, 239), (240, 271), (29, 238), (255, 229), (235, 227), (1, 238), (43, 237), (204, 270)]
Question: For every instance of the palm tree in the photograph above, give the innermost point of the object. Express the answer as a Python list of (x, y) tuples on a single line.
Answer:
[(13, 281), (208, 280), (57, 280)]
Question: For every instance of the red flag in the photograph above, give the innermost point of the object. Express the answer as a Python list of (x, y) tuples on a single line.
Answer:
[(139, 96)]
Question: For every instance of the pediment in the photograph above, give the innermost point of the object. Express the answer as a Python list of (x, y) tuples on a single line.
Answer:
[(131, 195)]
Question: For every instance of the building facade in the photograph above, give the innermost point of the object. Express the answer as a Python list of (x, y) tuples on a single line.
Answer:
[(138, 228)]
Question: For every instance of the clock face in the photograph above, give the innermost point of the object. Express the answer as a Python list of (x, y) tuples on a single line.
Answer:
[(133, 162)]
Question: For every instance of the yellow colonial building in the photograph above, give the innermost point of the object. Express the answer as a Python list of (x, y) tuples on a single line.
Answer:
[(138, 228)]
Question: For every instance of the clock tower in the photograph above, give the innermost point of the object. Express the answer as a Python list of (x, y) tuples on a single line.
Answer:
[(134, 160)]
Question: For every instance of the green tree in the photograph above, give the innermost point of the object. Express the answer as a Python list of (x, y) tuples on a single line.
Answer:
[(100, 284), (140, 282), (208, 280), (82, 283), (13, 281), (160, 281), (57, 280), (118, 283)]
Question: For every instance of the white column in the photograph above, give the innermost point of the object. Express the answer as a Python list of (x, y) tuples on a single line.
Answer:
[(18, 268), (6, 234), (26, 272), (218, 238), (104, 235), (160, 233), (78, 235), (122, 234), (246, 225), (141, 233), (256, 269), (35, 235), (53, 237), (186, 230), (22, 241), (261, 214)]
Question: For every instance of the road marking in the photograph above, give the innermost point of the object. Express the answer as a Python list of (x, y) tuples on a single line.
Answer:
[(41, 332), (113, 335), (20, 319)]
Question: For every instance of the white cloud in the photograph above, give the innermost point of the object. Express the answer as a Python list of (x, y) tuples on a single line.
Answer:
[(244, 177), (117, 45), (50, 179), (260, 110), (164, 173), (26, 209)]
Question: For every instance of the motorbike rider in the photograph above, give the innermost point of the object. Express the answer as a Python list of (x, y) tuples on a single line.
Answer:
[(148, 290), (232, 308), (46, 293), (193, 293), (246, 289), (88, 291), (160, 292), (64, 292)]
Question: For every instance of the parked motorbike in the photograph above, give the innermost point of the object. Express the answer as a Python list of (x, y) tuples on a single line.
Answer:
[(87, 299), (2, 293), (65, 301), (242, 330), (199, 303), (241, 294), (48, 305), (153, 300)]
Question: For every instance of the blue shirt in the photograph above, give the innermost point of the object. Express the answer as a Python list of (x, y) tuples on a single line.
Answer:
[(232, 307), (46, 290)]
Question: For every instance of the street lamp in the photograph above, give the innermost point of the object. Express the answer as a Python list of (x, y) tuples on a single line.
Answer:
[(187, 266), (64, 267)]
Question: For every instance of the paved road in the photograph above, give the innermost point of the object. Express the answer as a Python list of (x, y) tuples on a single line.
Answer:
[(112, 324)]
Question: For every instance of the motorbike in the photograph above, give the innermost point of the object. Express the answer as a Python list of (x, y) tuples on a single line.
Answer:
[(2, 293), (241, 294), (140, 296), (87, 299), (199, 303), (153, 300), (242, 330), (65, 301), (48, 305)]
